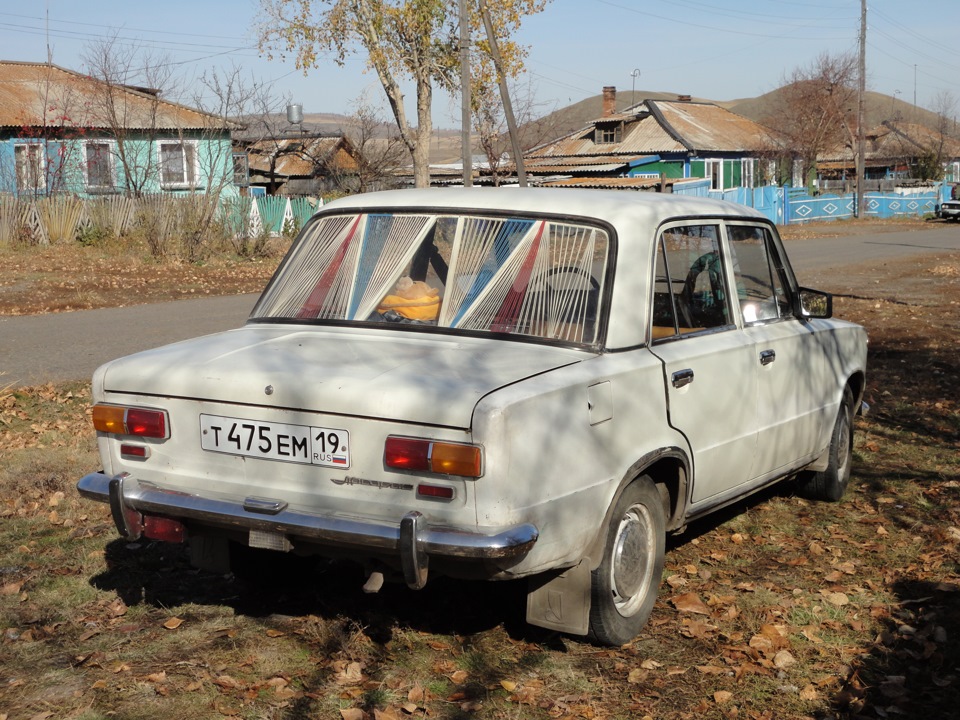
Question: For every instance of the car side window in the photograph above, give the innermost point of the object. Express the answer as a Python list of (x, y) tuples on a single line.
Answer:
[(759, 274), (690, 290)]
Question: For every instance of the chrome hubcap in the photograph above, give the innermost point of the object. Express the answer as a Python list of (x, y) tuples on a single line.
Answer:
[(631, 568)]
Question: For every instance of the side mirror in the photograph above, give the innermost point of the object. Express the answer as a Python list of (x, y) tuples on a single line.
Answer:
[(814, 304)]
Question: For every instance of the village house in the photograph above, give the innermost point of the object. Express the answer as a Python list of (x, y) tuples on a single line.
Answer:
[(652, 145), (895, 153), (65, 132), (301, 164)]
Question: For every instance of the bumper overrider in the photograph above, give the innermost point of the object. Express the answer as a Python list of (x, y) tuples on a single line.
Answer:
[(414, 539)]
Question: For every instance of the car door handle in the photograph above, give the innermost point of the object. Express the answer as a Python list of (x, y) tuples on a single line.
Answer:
[(767, 357), (682, 378)]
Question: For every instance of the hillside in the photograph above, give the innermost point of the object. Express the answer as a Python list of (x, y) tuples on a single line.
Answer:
[(878, 108)]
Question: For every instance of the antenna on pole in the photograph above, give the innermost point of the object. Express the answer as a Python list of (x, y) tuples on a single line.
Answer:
[(49, 51)]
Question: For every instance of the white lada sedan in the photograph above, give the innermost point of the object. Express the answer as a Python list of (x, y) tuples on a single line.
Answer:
[(491, 384)]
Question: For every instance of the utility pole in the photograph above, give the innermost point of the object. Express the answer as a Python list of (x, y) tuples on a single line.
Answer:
[(466, 123), (862, 91)]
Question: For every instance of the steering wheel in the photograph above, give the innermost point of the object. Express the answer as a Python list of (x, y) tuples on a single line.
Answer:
[(593, 294)]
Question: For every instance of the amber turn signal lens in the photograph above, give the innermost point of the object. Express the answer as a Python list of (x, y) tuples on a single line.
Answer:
[(453, 459), (121, 420), (442, 458)]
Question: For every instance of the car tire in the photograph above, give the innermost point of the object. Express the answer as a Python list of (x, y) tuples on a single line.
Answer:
[(831, 484), (624, 587)]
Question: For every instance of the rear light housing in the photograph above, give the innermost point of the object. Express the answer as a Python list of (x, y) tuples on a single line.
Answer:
[(440, 458), (124, 420)]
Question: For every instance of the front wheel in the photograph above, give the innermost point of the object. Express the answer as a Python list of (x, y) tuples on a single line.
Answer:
[(831, 484), (624, 587)]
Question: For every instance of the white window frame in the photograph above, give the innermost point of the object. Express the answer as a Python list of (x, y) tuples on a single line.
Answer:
[(747, 172), (190, 171), (715, 177), (39, 163), (112, 167)]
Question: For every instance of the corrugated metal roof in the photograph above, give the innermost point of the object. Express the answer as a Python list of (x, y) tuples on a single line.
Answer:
[(605, 183), (657, 127), (708, 127), (41, 95)]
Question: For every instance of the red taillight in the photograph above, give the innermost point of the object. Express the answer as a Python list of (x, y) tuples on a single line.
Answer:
[(120, 420), (134, 452), (164, 529), (407, 454), (440, 492), (442, 458)]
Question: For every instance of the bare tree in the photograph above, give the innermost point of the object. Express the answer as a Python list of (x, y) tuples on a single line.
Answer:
[(123, 69), (43, 164), (490, 125), (931, 163), (815, 112), (377, 151)]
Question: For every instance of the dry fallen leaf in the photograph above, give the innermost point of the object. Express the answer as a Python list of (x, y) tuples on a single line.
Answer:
[(784, 659), (838, 599), (722, 696), (690, 602), (173, 623), (350, 674), (508, 685)]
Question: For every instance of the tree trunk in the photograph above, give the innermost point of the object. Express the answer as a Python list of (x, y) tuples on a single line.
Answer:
[(421, 149)]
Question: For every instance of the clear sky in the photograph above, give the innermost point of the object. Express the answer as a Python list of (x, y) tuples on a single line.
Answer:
[(715, 49)]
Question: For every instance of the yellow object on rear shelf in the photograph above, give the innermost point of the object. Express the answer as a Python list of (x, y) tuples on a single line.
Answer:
[(412, 299)]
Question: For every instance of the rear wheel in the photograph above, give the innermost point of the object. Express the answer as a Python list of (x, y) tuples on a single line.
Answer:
[(831, 484), (624, 587)]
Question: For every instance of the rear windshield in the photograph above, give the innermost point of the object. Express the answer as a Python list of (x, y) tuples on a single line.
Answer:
[(530, 276)]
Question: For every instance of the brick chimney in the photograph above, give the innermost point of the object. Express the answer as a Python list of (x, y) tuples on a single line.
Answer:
[(609, 100)]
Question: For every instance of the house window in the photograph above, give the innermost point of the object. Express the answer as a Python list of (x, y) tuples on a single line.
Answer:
[(714, 171), (178, 161), (30, 167), (98, 165), (747, 173), (241, 170), (608, 133)]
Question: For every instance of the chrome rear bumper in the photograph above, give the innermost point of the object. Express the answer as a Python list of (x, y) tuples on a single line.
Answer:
[(412, 537)]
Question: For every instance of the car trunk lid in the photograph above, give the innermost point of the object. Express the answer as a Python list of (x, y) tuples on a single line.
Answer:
[(411, 377)]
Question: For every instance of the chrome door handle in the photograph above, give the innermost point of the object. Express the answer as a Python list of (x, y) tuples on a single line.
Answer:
[(767, 357), (682, 377)]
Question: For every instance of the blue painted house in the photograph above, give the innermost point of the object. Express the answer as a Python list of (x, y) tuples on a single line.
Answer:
[(655, 142), (65, 132)]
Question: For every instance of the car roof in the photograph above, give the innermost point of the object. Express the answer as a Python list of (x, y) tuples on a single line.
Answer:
[(613, 206)]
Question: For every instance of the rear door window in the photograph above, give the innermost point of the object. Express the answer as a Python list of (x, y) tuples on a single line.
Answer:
[(690, 287)]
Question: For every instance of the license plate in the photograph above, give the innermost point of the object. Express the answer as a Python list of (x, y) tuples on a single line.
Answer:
[(306, 444)]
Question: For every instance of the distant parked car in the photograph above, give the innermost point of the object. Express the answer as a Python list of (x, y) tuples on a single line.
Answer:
[(491, 384), (949, 210)]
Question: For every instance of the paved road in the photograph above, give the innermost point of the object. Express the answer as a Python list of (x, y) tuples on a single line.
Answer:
[(825, 253), (69, 346), (36, 349)]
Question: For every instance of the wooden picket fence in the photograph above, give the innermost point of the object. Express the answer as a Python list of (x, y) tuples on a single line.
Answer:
[(61, 219)]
